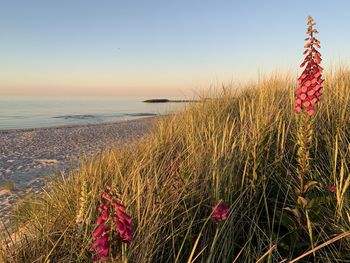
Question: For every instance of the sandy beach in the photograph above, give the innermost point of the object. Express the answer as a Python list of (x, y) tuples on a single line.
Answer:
[(28, 156)]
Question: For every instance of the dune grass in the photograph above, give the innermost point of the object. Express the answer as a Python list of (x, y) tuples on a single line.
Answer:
[(8, 185), (239, 149)]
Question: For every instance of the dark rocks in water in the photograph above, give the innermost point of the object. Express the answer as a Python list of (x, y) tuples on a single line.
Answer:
[(166, 101), (141, 114), (156, 101)]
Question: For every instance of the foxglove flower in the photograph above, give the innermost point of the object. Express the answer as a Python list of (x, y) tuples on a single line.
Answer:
[(332, 188), (220, 212), (121, 219), (112, 224), (101, 244), (310, 80)]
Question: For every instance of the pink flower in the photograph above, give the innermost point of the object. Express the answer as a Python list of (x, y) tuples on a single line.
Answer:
[(104, 216), (220, 212), (101, 244), (332, 188), (103, 228), (122, 220), (310, 81), (113, 223)]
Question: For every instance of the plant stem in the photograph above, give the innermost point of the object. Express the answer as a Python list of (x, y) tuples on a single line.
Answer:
[(304, 140)]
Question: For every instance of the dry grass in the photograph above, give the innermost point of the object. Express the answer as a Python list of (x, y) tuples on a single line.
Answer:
[(8, 186), (239, 148)]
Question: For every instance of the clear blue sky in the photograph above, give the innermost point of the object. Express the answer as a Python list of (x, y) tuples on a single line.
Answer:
[(110, 47)]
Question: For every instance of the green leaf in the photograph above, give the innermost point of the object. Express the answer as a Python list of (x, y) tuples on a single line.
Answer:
[(312, 203)]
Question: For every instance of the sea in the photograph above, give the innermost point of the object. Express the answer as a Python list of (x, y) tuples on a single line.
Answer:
[(38, 112)]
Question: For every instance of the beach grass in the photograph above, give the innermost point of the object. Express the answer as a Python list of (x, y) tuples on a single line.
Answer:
[(239, 149), (8, 185)]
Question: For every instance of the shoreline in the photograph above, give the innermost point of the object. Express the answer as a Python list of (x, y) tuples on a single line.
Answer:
[(5, 131), (28, 157)]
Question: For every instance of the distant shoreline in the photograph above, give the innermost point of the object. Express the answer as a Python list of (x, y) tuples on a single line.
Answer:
[(77, 125)]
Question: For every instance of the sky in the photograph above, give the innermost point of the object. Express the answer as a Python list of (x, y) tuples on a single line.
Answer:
[(158, 47)]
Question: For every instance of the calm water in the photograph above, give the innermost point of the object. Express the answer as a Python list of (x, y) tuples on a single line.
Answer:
[(34, 112)]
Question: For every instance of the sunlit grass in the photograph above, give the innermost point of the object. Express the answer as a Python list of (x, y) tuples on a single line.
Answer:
[(240, 149), (8, 186)]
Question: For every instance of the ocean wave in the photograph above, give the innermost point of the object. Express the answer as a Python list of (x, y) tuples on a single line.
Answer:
[(79, 117)]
